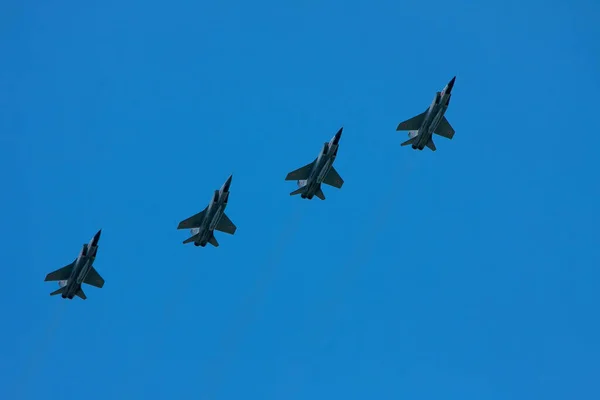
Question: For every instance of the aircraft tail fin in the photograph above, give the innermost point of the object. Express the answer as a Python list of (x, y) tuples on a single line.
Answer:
[(213, 241), (58, 291), (319, 193), (81, 294), (409, 141)]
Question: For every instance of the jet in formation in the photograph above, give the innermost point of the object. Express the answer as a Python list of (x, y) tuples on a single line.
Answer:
[(309, 179), (319, 171), (79, 271), (212, 218), (423, 126)]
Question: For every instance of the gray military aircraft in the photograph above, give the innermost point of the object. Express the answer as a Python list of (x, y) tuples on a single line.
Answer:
[(212, 217), (423, 126), (319, 171), (79, 271)]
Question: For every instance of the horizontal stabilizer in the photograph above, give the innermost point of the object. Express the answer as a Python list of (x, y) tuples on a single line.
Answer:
[(299, 191), (81, 294), (195, 221), (213, 241), (409, 141), (301, 173), (93, 278), (430, 144), (319, 193), (192, 239), (444, 129), (412, 124), (60, 274), (225, 225), (58, 291), (333, 179)]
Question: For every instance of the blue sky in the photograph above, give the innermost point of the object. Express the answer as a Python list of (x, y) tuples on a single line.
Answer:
[(468, 273)]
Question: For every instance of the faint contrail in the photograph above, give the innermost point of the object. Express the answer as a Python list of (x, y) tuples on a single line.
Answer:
[(247, 316), (39, 352), (176, 298), (344, 281), (363, 252)]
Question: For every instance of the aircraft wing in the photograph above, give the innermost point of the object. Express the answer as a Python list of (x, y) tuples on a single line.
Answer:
[(301, 173), (93, 278), (195, 221), (333, 179), (60, 274), (445, 129), (412, 124), (225, 225)]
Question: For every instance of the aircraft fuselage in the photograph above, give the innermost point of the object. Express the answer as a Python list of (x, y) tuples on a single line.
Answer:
[(434, 116), (321, 168), (214, 213), (81, 268)]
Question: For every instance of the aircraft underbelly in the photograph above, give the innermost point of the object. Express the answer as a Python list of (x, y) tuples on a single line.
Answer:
[(437, 119), (323, 171), (215, 220), (71, 288), (203, 238), (312, 181), (423, 137), (310, 186), (84, 271)]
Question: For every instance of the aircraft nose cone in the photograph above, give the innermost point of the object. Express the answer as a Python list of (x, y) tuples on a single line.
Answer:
[(97, 237), (338, 135), (451, 84), (227, 183)]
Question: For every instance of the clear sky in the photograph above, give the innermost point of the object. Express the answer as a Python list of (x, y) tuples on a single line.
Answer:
[(468, 273)]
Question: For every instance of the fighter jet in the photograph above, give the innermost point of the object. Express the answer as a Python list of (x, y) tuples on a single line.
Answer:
[(423, 126), (212, 217), (319, 171), (79, 271)]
